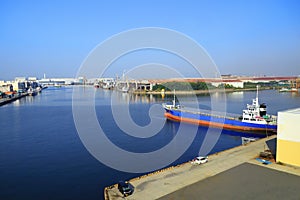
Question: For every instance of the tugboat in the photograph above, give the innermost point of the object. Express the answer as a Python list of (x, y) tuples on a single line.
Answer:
[(254, 118)]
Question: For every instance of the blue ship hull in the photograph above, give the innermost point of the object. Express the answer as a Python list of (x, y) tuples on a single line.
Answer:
[(217, 121)]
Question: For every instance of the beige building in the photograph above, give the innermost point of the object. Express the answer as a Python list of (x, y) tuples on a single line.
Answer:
[(288, 137), (14, 85), (6, 88)]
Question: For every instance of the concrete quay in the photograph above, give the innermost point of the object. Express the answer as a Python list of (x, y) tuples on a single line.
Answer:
[(9, 100), (176, 179)]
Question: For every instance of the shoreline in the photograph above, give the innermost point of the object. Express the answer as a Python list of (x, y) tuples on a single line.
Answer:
[(5, 101), (110, 189)]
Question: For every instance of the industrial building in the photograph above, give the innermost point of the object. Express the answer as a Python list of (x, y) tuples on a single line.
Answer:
[(288, 137)]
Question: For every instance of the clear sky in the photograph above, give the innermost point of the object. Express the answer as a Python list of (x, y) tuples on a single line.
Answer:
[(256, 37)]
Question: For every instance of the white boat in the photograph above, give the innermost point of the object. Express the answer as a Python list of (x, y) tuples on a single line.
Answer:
[(288, 90), (107, 83), (125, 89), (57, 85), (108, 86), (31, 92), (294, 90), (39, 89)]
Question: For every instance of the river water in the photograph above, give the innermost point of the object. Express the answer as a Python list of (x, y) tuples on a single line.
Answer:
[(42, 156)]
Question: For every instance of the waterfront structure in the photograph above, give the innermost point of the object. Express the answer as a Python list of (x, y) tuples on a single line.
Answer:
[(57, 81), (235, 81), (34, 79), (288, 137), (134, 85), (106, 83), (296, 83), (19, 84), (6, 87), (20, 79), (186, 181), (232, 82)]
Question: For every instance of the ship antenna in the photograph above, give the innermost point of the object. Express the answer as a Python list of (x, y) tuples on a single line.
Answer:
[(174, 99), (256, 94)]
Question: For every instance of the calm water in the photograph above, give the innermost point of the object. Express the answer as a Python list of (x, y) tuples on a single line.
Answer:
[(42, 157)]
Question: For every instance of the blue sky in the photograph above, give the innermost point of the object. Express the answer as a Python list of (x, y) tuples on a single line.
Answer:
[(242, 37)]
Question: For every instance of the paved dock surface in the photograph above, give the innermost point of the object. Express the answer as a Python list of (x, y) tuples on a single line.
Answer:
[(177, 179), (7, 100), (246, 181)]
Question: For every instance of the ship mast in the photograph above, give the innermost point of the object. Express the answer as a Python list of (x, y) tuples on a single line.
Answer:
[(256, 92), (256, 100), (174, 101)]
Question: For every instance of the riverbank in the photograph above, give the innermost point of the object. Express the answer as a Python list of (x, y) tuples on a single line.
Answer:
[(178, 92), (163, 182), (7, 100)]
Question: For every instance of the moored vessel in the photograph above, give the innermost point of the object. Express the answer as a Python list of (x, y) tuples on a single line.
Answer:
[(288, 90), (254, 118), (32, 92)]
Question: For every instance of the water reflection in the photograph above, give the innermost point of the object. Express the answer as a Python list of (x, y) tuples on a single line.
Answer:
[(295, 94), (236, 95), (236, 101), (126, 98)]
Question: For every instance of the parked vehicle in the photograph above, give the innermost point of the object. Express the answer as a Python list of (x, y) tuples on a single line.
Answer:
[(125, 188), (199, 160)]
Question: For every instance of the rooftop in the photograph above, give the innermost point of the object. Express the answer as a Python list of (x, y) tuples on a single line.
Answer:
[(293, 111)]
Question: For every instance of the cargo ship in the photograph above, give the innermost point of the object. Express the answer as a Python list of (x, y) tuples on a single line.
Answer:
[(254, 118)]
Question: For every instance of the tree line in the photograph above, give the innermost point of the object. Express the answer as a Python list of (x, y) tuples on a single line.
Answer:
[(186, 86)]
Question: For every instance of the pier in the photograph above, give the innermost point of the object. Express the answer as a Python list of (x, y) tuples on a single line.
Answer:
[(178, 182)]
